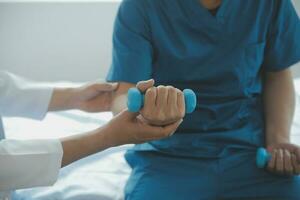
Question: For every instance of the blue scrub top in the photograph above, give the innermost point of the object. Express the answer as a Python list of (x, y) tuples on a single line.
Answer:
[(222, 58)]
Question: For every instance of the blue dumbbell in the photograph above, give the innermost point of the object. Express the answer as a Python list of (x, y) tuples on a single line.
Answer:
[(262, 157), (135, 100)]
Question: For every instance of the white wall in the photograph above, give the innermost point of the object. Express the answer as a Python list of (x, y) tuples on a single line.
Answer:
[(59, 41)]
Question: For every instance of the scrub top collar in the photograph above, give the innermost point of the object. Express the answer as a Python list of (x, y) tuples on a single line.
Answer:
[(198, 10)]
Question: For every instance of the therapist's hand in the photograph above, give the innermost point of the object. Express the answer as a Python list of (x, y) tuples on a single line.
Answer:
[(285, 159), (94, 97), (128, 128), (124, 128), (91, 97), (163, 105)]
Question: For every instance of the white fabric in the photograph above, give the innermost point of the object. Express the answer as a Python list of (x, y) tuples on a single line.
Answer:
[(24, 98), (25, 164), (30, 163)]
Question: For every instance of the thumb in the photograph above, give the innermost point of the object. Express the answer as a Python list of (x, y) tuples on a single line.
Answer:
[(129, 115), (144, 85), (170, 129)]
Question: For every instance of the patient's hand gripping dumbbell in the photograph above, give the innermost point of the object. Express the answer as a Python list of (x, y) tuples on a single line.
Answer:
[(135, 100)]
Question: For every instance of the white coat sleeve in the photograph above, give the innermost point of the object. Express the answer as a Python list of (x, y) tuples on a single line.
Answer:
[(23, 98), (29, 163)]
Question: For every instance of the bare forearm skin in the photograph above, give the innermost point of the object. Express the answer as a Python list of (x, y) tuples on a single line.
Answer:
[(279, 105), (61, 99), (80, 146)]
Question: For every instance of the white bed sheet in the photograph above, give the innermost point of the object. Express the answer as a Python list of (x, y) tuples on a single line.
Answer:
[(98, 177)]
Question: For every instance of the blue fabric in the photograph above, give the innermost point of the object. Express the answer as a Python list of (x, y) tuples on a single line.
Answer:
[(222, 58), (235, 177)]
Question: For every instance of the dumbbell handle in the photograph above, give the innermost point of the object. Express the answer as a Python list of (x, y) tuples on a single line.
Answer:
[(262, 157), (135, 100)]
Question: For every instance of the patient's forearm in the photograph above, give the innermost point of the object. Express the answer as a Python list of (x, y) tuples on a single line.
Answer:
[(119, 103), (279, 103)]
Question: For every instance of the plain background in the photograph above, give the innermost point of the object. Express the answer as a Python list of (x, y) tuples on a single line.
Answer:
[(51, 40)]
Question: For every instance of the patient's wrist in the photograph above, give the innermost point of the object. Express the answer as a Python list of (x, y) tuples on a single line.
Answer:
[(273, 138)]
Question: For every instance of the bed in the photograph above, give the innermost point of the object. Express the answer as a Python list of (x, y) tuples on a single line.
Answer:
[(99, 177)]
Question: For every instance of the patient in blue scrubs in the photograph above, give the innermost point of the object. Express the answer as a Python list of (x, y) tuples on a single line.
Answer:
[(235, 54)]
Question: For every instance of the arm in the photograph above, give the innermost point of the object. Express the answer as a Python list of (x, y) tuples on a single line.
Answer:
[(37, 162), (279, 104), (24, 98), (125, 128), (134, 130), (281, 51)]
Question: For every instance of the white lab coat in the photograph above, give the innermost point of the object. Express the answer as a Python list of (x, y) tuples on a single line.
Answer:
[(30, 163)]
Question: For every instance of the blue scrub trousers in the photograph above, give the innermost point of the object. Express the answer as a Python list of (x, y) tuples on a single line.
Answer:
[(234, 177)]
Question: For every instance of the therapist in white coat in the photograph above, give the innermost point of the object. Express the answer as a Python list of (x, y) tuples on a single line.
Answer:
[(31, 163)]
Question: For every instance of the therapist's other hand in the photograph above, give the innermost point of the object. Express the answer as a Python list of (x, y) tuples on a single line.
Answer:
[(163, 105), (94, 97), (128, 128), (124, 128), (91, 97), (285, 159)]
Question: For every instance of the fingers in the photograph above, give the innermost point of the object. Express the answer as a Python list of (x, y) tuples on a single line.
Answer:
[(172, 108), (288, 166), (283, 162), (128, 115), (280, 162), (172, 97), (150, 98), (162, 97), (170, 129), (272, 162), (295, 164), (144, 85), (161, 105), (158, 132), (181, 103), (276, 164)]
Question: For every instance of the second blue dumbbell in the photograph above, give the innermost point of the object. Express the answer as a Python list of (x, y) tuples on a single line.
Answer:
[(262, 157), (135, 100)]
